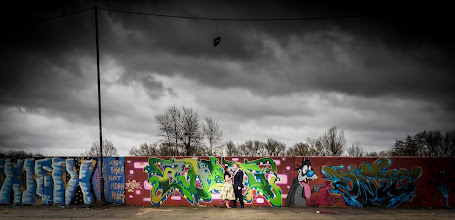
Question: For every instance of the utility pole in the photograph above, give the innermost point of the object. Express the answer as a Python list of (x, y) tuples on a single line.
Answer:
[(103, 198)]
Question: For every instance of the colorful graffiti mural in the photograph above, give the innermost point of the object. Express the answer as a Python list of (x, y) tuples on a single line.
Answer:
[(300, 190), (195, 180), (198, 181), (114, 180), (185, 181), (373, 184), (317, 181), (48, 181), (260, 177)]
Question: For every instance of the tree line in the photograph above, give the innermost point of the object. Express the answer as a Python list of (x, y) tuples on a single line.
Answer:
[(183, 133), (331, 143), (19, 154), (426, 143)]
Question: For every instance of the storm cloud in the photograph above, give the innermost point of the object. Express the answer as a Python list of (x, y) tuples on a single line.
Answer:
[(379, 75)]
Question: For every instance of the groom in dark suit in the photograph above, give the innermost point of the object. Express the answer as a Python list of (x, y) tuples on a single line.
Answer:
[(238, 185)]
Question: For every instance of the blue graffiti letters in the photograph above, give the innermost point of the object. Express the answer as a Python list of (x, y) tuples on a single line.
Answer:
[(373, 184)]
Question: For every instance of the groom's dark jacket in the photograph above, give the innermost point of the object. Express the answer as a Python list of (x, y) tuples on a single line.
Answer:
[(238, 179)]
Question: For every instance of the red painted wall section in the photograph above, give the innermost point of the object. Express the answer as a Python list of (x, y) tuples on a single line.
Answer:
[(137, 188), (293, 181), (183, 181), (382, 182)]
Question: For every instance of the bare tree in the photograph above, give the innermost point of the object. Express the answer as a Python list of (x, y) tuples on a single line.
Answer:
[(170, 126), (448, 148), (175, 119), (372, 154), (355, 150), (274, 148), (191, 131), (166, 131), (200, 150), (333, 142), (316, 146), (385, 153), (252, 149), (108, 150), (145, 150), (430, 143), (301, 149), (435, 143), (183, 134), (231, 149), (408, 147), (166, 150), (212, 133)]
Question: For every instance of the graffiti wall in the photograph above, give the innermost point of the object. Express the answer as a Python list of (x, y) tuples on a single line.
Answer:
[(59, 181), (380, 182), (293, 181), (198, 180), (275, 181)]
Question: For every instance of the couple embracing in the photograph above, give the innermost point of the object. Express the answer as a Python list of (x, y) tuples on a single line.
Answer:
[(232, 188)]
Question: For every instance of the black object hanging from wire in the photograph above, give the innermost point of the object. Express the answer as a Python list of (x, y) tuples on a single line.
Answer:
[(217, 39)]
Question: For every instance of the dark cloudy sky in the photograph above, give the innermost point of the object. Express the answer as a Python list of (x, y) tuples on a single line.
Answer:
[(378, 77)]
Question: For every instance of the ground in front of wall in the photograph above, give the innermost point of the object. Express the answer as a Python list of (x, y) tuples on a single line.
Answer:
[(188, 213)]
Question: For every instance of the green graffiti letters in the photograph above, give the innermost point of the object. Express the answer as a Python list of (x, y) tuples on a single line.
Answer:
[(197, 180), (256, 172), (194, 180)]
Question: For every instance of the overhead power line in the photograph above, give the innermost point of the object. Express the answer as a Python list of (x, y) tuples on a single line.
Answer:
[(229, 19), (64, 15), (209, 18)]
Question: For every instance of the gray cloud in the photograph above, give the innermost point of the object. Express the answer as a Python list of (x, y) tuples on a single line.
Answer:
[(377, 77), (286, 59)]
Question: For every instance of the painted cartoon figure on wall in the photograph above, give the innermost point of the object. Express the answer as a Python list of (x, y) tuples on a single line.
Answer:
[(441, 184), (443, 189), (300, 190)]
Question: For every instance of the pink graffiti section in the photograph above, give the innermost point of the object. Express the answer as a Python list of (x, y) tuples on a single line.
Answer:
[(265, 180)]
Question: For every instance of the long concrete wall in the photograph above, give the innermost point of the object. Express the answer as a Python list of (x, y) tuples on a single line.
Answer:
[(276, 181)]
